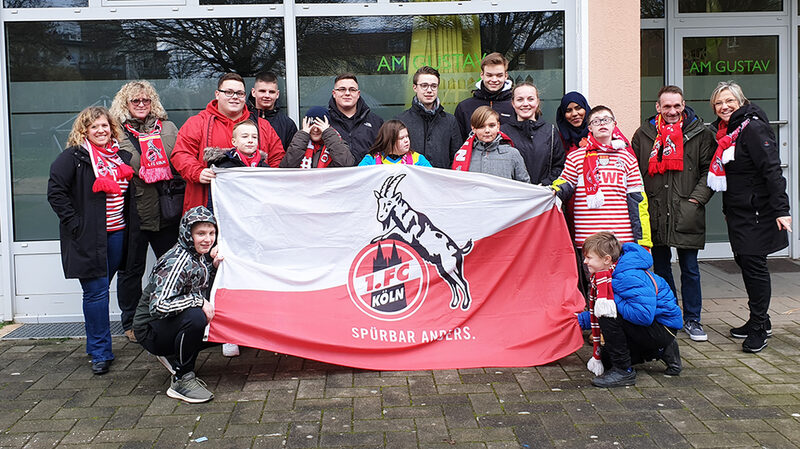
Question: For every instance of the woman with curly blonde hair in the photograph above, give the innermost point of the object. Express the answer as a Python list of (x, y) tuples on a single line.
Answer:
[(88, 190), (149, 139)]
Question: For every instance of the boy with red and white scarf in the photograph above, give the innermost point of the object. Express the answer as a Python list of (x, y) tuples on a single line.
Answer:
[(604, 177), (317, 144), (635, 310)]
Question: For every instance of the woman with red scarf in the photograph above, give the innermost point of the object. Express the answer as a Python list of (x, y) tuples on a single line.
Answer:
[(88, 190), (148, 137), (747, 168), (317, 145)]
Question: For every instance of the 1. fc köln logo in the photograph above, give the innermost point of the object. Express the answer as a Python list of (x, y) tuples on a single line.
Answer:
[(389, 277)]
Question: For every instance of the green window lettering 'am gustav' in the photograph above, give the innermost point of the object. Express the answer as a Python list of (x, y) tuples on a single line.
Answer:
[(744, 66)]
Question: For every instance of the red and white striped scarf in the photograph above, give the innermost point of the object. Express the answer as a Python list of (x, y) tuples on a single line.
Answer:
[(726, 146), (600, 290), (109, 169), (308, 157)]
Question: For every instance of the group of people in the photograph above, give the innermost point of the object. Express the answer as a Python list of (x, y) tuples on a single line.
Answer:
[(130, 179)]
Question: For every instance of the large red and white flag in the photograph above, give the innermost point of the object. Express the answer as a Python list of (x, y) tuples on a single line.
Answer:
[(394, 267)]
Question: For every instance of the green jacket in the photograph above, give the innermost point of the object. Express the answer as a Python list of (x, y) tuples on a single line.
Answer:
[(146, 195), (674, 220)]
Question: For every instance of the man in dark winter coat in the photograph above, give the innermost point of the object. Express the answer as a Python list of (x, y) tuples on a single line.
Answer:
[(351, 116), (434, 133), (674, 150), (493, 90), (263, 102)]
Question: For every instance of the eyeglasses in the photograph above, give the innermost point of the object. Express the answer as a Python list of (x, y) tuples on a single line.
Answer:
[(602, 121), (342, 90), (138, 101), (426, 86), (232, 93), (728, 102)]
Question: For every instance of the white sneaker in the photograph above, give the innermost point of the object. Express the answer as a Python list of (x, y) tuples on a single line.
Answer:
[(230, 350)]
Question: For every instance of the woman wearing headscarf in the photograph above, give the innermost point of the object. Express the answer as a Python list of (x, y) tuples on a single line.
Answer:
[(746, 167), (148, 137), (571, 120)]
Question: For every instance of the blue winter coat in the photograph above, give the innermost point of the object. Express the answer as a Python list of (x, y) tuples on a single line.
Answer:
[(635, 294)]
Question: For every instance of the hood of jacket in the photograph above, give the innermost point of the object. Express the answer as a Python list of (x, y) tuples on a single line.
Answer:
[(483, 93), (193, 216), (215, 155), (214, 111), (749, 110), (361, 110), (634, 257)]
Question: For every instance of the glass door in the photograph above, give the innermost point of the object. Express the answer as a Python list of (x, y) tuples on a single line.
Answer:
[(755, 58)]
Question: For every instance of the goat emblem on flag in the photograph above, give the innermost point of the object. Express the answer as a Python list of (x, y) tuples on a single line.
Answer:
[(392, 287)]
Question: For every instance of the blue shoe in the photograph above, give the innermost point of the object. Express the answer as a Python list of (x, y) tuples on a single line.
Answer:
[(695, 331), (615, 377)]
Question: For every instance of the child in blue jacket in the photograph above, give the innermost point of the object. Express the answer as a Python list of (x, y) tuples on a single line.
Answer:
[(641, 322)]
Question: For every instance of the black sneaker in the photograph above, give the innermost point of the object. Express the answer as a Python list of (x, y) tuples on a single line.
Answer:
[(744, 330), (615, 377), (672, 357), (756, 340)]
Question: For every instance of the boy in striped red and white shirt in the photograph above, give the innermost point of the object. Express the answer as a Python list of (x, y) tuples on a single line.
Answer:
[(604, 176)]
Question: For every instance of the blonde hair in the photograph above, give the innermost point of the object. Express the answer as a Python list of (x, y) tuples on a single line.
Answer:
[(85, 119), (129, 91), (603, 244), (482, 115), (733, 88)]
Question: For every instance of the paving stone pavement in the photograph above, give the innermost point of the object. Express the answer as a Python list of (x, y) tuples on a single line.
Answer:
[(724, 398)]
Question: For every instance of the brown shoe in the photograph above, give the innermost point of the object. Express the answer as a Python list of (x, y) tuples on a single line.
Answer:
[(131, 337)]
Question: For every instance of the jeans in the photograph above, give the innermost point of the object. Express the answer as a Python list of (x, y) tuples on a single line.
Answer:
[(691, 294), (95, 303), (755, 275), (129, 280)]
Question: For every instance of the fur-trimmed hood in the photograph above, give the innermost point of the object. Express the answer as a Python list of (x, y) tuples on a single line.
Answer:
[(216, 155)]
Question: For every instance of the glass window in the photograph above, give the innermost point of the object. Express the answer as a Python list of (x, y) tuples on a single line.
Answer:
[(652, 9), (85, 63), (45, 3), (729, 5), (652, 70), (385, 51), (238, 2)]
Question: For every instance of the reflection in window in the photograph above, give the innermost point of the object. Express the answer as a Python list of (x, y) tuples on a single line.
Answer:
[(238, 2), (652, 9), (652, 69), (385, 52), (83, 63), (45, 3), (729, 5)]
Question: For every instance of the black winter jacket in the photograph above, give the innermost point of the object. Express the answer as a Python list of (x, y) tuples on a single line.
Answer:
[(82, 214), (359, 131), (500, 101), (281, 123), (756, 193), (435, 136), (540, 146)]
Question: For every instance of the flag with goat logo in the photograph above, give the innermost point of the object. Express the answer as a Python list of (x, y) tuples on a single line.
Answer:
[(394, 267)]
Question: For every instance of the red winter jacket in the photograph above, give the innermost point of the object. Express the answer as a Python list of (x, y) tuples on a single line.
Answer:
[(211, 128)]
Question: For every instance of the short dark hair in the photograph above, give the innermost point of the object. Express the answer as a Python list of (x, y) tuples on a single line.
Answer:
[(426, 70), (266, 77), (603, 244), (669, 89), (345, 76), (599, 108), (230, 76), (494, 59)]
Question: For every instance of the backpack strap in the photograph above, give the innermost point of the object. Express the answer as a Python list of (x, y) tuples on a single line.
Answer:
[(652, 279)]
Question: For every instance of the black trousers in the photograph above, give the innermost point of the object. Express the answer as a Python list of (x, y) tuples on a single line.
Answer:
[(179, 338), (758, 285), (129, 281), (630, 344)]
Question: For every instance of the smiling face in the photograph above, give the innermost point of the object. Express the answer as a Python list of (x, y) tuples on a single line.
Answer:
[(139, 105), (575, 114), (494, 76), (232, 106), (266, 95), (595, 263), (525, 102), (99, 132), (488, 131), (203, 237), (670, 106), (426, 89), (245, 139), (725, 105), (403, 144), (346, 94)]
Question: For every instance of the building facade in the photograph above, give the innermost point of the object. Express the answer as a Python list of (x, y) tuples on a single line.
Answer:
[(60, 56)]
